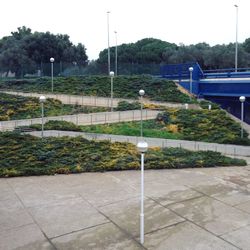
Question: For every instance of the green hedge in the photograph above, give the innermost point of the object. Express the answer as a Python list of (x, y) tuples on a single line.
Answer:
[(24, 155)]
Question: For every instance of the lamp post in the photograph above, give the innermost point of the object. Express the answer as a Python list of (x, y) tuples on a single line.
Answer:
[(111, 73), (236, 40), (141, 93), (108, 12), (242, 100), (191, 80), (42, 100), (142, 147), (52, 73), (116, 62)]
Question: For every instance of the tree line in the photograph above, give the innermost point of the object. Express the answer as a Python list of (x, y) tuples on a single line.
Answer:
[(150, 51), (24, 52)]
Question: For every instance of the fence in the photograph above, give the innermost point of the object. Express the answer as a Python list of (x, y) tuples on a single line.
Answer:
[(85, 119), (226, 149)]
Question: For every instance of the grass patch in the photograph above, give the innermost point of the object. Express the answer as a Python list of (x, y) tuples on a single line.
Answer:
[(25, 155)]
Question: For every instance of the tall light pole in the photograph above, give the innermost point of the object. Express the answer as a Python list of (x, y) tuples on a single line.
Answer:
[(191, 80), (42, 100), (111, 73), (108, 12), (116, 72), (141, 93), (142, 147), (52, 73), (242, 100), (236, 40)]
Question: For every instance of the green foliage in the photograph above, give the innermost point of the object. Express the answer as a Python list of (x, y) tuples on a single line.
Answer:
[(207, 125), (195, 125), (151, 128), (23, 52), (124, 87), (124, 105), (57, 125), (24, 155), (204, 104), (18, 107)]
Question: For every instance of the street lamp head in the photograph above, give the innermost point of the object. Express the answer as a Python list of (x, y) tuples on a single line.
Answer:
[(111, 73), (236, 5), (52, 59), (242, 98), (190, 69), (142, 146), (42, 99), (141, 92)]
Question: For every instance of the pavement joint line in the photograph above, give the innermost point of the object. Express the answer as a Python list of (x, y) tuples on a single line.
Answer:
[(234, 230), (186, 219), (204, 229), (9, 229), (127, 234), (172, 225), (35, 222), (79, 230), (111, 203), (214, 198)]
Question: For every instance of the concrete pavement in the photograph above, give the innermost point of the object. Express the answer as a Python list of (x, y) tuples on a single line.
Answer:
[(184, 209)]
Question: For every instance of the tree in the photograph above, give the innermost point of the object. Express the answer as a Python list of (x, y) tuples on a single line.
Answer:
[(25, 52)]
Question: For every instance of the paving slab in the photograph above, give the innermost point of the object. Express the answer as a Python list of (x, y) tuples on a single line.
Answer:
[(185, 236), (226, 192), (125, 214), (66, 217), (28, 237), (184, 209), (212, 215), (240, 237), (13, 219), (106, 236), (168, 193), (244, 207)]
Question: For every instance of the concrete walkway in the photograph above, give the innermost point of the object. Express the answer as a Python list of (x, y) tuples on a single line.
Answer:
[(95, 100), (227, 149), (85, 119), (188, 209)]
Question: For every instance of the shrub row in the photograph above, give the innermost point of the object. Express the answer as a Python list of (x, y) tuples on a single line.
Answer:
[(24, 155), (124, 87)]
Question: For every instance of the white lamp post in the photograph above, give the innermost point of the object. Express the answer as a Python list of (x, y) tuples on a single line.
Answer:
[(116, 61), (242, 100), (52, 73), (236, 40), (108, 12), (141, 93), (111, 73), (142, 147), (191, 80), (42, 100)]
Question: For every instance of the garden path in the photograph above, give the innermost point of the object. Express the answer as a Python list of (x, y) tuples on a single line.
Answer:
[(95, 100), (227, 149)]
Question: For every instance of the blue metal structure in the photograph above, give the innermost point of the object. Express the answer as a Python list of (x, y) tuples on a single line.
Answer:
[(222, 82), (223, 86)]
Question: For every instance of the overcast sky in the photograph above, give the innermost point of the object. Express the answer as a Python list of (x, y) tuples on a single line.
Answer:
[(85, 21)]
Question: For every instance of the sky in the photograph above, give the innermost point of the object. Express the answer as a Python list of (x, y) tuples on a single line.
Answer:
[(85, 21)]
